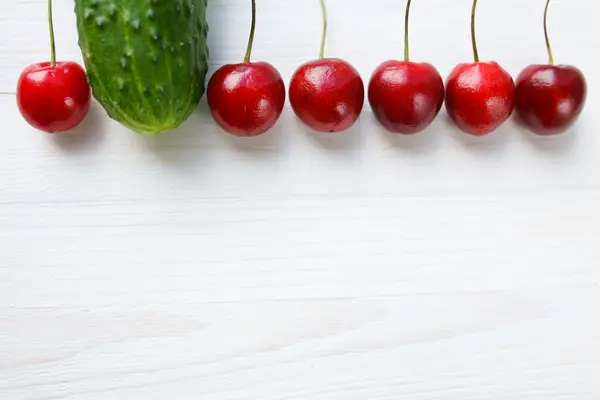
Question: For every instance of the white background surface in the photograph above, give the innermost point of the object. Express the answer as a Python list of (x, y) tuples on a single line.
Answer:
[(297, 266)]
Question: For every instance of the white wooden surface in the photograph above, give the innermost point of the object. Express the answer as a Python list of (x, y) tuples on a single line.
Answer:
[(300, 267)]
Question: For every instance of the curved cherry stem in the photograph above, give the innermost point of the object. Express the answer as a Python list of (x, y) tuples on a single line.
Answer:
[(52, 41), (252, 30), (324, 34), (548, 46), (473, 39), (406, 42)]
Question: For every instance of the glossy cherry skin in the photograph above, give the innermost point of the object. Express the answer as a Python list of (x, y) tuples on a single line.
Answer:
[(550, 98), (327, 94), (246, 99), (406, 96), (53, 99), (479, 97)]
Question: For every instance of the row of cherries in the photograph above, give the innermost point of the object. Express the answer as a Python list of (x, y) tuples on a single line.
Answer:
[(327, 94)]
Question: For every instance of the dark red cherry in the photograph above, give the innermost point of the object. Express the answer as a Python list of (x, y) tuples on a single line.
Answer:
[(327, 94), (480, 96), (246, 99), (406, 96), (550, 98)]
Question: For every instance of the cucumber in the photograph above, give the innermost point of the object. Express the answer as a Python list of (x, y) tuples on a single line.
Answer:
[(146, 59)]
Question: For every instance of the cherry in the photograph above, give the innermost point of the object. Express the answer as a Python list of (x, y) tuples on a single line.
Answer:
[(53, 96), (550, 98), (480, 96), (406, 96), (327, 94), (246, 99)]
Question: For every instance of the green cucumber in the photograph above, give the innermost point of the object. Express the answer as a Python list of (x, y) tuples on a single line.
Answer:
[(146, 59)]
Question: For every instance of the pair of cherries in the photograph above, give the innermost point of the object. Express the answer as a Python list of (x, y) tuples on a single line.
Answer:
[(328, 94), (247, 99)]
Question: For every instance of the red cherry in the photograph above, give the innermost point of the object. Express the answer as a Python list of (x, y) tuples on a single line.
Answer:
[(327, 94), (246, 99), (406, 96), (479, 97), (549, 98), (53, 98)]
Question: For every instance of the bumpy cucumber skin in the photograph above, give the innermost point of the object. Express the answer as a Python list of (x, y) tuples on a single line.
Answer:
[(146, 59)]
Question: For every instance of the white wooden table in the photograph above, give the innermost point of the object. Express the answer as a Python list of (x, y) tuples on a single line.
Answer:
[(296, 266)]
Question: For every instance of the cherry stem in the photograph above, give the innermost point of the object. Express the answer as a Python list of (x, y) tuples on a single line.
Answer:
[(406, 44), (252, 30), (548, 46), (52, 42), (324, 34), (473, 39)]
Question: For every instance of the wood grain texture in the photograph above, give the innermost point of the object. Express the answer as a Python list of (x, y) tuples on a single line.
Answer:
[(300, 267)]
